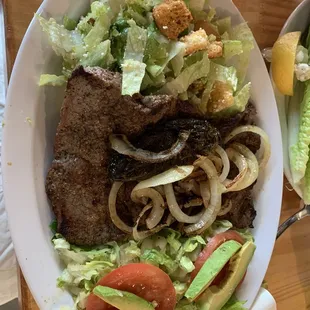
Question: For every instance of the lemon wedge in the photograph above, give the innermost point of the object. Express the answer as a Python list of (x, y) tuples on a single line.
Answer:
[(283, 62)]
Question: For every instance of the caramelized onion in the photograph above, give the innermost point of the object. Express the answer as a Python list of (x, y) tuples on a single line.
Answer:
[(141, 235), (120, 144), (241, 162), (175, 209), (172, 175), (253, 168), (264, 152), (225, 161), (211, 211), (157, 205), (112, 208), (226, 207)]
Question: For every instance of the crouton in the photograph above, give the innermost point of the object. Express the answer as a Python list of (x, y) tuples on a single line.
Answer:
[(215, 49), (221, 97), (209, 28), (172, 17), (196, 41)]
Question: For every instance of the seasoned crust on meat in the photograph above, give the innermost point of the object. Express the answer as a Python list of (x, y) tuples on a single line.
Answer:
[(172, 17), (77, 183)]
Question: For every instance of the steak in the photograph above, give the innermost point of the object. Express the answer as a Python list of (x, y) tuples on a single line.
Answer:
[(242, 213), (77, 183)]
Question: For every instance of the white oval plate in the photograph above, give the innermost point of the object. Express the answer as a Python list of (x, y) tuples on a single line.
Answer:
[(28, 148)]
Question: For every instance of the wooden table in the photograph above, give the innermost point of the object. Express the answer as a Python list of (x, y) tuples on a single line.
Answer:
[(289, 272)]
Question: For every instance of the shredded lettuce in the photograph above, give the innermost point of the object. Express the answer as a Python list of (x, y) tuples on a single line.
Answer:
[(169, 250), (52, 80), (299, 152)]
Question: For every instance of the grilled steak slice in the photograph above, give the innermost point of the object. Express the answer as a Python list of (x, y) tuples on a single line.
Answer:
[(161, 137), (242, 213), (77, 183)]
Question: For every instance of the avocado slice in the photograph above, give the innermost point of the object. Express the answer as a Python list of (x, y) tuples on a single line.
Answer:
[(215, 297), (122, 300), (211, 268)]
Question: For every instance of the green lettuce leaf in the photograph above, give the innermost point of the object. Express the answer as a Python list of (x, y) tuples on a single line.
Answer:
[(232, 48), (65, 43), (133, 66), (299, 152), (100, 56), (69, 23), (161, 260), (186, 264), (189, 75), (52, 80), (223, 25), (243, 33), (95, 19), (100, 29), (180, 289), (216, 228)]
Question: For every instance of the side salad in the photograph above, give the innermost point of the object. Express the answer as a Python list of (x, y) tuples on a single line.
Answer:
[(206, 63), (176, 255), (291, 74)]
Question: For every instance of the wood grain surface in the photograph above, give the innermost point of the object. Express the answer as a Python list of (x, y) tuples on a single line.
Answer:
[(288, 275)]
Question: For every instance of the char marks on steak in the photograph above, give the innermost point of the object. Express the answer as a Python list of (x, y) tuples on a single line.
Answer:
[(77, 183)]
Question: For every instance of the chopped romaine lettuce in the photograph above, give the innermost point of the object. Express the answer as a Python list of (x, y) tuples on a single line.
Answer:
[(302, 55), (133, 66), (232, 48), (243, 33), (189, 75), (223, 25), (52, 80), (65, 43), (100, 29), (99, 56), (69, 23), (299, 152)]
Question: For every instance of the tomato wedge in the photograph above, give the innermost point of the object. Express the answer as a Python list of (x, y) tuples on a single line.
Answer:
[(144, 280), (212, 245)]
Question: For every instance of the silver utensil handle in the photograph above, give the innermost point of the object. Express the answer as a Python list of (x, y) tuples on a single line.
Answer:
[(293, 219)]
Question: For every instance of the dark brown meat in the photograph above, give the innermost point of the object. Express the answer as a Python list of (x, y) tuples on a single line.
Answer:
[(161, 137), (242, 213), (77, 183)]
